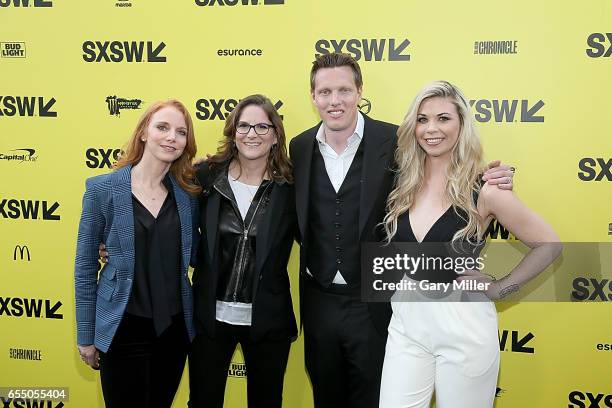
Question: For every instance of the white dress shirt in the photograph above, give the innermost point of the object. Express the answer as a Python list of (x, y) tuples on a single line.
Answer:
[(337, 165)]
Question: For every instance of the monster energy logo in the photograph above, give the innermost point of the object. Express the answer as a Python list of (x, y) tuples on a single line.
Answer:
[(116, 104)]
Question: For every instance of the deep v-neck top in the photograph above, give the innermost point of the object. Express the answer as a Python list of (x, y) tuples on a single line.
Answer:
[(442, 230)]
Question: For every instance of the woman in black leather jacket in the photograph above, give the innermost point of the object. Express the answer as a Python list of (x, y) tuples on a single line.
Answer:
[(240, 284)]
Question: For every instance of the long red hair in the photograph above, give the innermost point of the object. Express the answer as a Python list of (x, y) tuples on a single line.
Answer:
[(182, 168)]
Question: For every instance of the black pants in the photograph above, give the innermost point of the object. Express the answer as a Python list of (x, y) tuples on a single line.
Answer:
[(141, 369), (344, 352), (209, 360)]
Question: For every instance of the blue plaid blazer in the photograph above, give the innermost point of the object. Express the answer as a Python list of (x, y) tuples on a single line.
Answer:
[(108, 217)]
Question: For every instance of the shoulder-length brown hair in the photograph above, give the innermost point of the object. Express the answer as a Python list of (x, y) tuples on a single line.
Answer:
[(182, 168), (279, 166)]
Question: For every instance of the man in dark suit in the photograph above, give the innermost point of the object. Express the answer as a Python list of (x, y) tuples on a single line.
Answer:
[(343, 175)]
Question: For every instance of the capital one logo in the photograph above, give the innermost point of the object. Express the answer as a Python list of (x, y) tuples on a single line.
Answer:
[(372, 49), (584, 399), (27, 106), (600, 45), (219, 109), (592, 289), (505, 110), (595, 169), (26, 3), (518, 343), (123, 51), (238, 2)]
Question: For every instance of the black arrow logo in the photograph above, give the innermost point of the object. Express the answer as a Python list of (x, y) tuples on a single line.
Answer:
[(48, 212), (395, 53), (51, 310), (44, 110), (528, 114), (153, 54), (519, 345)]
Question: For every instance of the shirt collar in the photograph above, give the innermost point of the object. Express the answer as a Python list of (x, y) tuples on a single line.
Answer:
[(356, 136)]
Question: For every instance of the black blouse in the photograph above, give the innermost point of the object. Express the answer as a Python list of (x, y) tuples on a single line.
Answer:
[(156, 291)]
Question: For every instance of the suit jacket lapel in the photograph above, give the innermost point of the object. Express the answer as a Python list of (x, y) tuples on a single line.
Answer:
[(375, 152), (184, 211), (301, 171), (124, 214)]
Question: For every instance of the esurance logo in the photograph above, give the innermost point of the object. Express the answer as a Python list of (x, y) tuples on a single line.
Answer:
[(115, 104), (26, 3), (591, 289), (28, 209), (517, 343), (584, 399), (238, 2), (97, 158), (123, 51), (595, 169), (219, 109), (383, 49), (600, 45), (505, 110), (27, 106), (19, 155), (13, 49)]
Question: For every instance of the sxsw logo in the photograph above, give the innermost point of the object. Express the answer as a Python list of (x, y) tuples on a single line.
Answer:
[(13, 49), (595, 169), (27, 307), (592, 289), (583, 399), (28, 209), (26, 3), (383, 49), (518, 343), (30, 403), (22, 250), (498, 231), (123, 51), (505, 110), (97, 158), (27, 106), (238, 2), (219, 109), (600, 45)]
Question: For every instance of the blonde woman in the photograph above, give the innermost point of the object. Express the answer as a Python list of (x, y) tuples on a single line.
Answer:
[(450, 347)]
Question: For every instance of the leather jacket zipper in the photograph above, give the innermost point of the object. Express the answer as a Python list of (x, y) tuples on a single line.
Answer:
[(245, 236)]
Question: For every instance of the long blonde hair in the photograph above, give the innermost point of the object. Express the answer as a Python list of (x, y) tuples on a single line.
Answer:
[(462, 174)]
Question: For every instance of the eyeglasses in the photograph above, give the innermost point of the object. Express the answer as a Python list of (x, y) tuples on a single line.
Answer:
[(260, 128)]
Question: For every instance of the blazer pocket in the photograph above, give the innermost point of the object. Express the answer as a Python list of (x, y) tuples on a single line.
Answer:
[(107, 282)]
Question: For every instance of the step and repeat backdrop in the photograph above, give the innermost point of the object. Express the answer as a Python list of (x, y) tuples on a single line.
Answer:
[(75, 76)]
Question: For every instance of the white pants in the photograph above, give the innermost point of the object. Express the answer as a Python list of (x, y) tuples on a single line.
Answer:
[(451, 346)]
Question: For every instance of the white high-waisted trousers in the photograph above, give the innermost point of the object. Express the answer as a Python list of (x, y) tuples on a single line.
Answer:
[(450, 346)]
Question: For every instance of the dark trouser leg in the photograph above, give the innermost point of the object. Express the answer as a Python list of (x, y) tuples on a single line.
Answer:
[(343, 351), (168, 362), (364, 350), (266, 362), (208, 363), (141, 369)]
